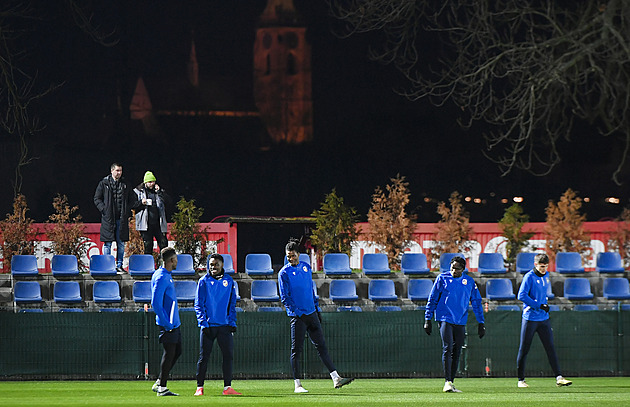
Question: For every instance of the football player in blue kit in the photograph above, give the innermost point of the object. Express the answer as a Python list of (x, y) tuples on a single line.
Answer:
[(449, 298), (296, 293)]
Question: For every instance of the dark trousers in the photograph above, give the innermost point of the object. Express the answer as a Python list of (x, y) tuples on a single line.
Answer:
[(545, 333), (172, 343), (299, 327), (224, 338), (153, 231), (452, 343)]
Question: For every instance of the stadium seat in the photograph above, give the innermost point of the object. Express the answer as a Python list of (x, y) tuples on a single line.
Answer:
[(554, 307), (303, 257), (388, 308), (106, 291), (315, 290), (414, 263), (141, 265), (419, 289), (616, 288), (491, 263), (375, 263), (382, 290), (337, 264), (349, 308), (24, 265), (185, 266), (445, 261), (577, 288), (228, 264), (265, 290), (185, 290), (525, 262), (66, 292), (35, 310), (64, 265), (27, 292), (609, 262), (270, 309), (110, 309), (71, 310), (550, 294), (505, 307), (142, 292), (102, 265), (258, 264), (238, 291), (500, 289), (586, 307), (569, 263), (342, 290)]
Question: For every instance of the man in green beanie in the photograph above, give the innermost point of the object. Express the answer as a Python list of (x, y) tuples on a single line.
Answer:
[(151, 215)]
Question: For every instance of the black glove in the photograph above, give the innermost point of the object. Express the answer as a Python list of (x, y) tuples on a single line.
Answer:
[(232, 329), (481, 330), (206, 331), (544, 307), (428, 327), (319, 315)]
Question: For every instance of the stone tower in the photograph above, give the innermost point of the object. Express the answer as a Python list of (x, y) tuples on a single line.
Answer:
[(282, 74)]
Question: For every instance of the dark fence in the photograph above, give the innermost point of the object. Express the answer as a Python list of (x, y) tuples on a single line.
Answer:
[(368, 344)]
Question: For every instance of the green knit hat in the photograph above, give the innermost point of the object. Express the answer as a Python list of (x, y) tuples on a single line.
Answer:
[(148, 176)]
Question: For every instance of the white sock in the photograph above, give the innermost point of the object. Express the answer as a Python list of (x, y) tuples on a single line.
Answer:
[(334, 375), (297, 383), (162, 388), (226, 387), (559, 377)]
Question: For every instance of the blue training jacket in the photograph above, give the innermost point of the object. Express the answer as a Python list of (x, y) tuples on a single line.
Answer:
[(533, 293), (164, 299), (450, 297), (215, 301), (296, 290)]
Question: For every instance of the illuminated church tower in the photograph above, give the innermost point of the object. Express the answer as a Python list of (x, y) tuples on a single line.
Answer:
[(282, 74)]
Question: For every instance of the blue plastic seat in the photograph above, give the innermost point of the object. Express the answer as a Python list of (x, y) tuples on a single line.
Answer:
[(500, 289), (303, 257), (258, 264), (185, 290), (64, 265), (419, 289), (315, 290), (609, 262), (343, 290), (71, 310), (27, 292), (66, 292), (102, 265), (185, 266), (414, 263), (388, 308), (554, 307), (505, 307), (238, 292), (270, 309), (550, 294), (569, 263), (106, 291), (525, 262), (142, 292), (445, 261), (337, 264), (265, 290), (349, 308), (104, 309), (577, 288), (34, 310), (382, 290), (24, 265), (491, 263), (228, 264), (375, 263), (586, 307), (141, 265), (616, 288)]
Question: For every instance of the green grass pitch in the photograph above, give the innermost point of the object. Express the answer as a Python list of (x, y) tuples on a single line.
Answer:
[(591, 391)]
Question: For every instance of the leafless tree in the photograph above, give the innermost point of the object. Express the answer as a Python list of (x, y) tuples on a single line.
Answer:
[(529, 68), (19, 89)]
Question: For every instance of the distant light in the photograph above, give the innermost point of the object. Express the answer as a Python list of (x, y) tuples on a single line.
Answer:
[(477, 200), (468, 199), (518, 199), (427, 199), (587, 199), (504, 201), (612, 200)]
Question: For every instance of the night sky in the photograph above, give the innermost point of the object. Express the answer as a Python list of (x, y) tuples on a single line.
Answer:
[(364, 132)]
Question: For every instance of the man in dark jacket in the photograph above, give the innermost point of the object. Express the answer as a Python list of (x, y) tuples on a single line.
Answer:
[(114, 199)]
